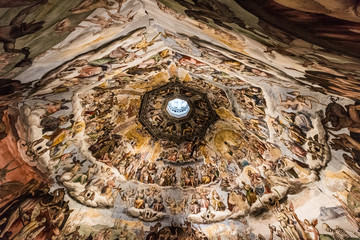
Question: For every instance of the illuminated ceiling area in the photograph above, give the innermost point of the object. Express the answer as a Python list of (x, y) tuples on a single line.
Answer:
[(179, 119), (178, 108)]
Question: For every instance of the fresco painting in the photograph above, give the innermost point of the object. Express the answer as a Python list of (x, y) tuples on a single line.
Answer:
[(267, 147)]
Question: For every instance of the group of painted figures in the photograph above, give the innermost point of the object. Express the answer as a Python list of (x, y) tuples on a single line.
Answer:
[(35, 213), (250, 171), (247, 162)]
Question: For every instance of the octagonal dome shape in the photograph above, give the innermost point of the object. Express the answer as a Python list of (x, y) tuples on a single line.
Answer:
[(178, 108), (176, 112)]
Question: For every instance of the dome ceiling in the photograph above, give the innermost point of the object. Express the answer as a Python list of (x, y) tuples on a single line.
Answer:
[(176, 112), (179, 119)]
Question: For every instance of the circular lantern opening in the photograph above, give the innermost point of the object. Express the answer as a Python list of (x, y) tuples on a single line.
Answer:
[(178, 108)]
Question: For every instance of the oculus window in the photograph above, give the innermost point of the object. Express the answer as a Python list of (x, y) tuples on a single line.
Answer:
[(178, 108)]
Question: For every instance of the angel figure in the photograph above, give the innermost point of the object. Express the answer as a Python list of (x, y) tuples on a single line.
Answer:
[(311, 230), (19, 28), (70, 173), (90, 5), (340, 118), (297, 102), (144, 44), (121, 18), (65, 26), (308, 229), (101, 21)]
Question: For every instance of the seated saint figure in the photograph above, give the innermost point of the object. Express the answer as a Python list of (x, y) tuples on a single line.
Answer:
[(216, 202), (140, 201)]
